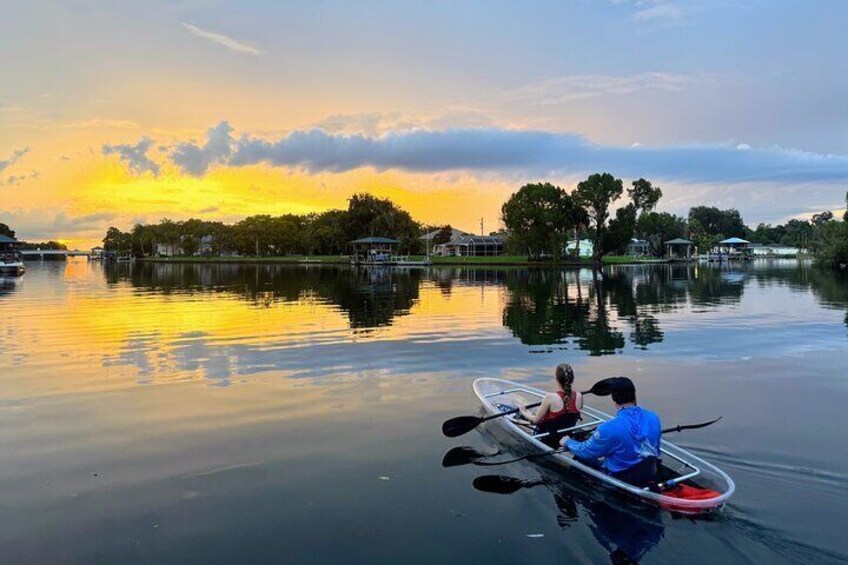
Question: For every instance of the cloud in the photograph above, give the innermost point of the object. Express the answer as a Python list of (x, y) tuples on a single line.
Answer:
[(95, 122), (16, 179), (16, 155), (43, 224), (569, 88), (494, 150), (665, 11), (195, 160), (228, 42), (134, 156)]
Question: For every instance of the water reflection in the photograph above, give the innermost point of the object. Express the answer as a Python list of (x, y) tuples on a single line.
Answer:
[(625, 531), (547, 308), (370, 297), (221, 322)]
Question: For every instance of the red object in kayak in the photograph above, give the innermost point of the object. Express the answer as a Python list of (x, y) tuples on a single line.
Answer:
[(686, 492)]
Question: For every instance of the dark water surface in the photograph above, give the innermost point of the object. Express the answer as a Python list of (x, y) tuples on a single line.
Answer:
[(236, 413)]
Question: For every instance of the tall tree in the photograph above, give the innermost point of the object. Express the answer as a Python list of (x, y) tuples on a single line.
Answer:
[(620, 230), (7, 231), (443, 235), (538, 217), (845, 215), (822, 218), (596, 194), (644, 195), (721, 223)]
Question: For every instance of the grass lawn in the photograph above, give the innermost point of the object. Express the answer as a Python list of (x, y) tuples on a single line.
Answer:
[(255, 259), (505, 260)]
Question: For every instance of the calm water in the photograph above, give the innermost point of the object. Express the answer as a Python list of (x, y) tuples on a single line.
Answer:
[(155, 413)]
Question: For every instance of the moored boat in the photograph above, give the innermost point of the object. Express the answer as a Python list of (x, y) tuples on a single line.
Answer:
[(12, 264), (680, 468)]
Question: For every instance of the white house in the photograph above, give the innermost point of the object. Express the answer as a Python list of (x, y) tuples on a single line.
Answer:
[(587, 248)]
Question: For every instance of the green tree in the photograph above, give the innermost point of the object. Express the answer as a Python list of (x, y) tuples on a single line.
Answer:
[(822, 218), (253, 235), (7, 231), (443, 235), (538, 217), (830, 248), (658, 227), (715, 222), (620, 229), (596, 194), (117, 241), (845, 215), (644, 195), (368, 215), (327, 235)]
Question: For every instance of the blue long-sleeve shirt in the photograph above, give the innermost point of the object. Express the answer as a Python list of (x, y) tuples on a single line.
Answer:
[(624, 441)]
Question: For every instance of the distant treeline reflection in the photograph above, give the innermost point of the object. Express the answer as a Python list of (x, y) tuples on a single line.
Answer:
[(544, 308)]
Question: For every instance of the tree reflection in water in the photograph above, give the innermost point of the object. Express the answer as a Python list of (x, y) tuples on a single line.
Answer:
[(627, 531), (371, 297), (594, 311), (544, 307)]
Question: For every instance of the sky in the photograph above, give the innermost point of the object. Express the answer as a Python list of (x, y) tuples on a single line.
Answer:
[(113, 113)]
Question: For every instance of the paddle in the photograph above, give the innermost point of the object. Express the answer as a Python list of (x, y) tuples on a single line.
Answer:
[(562, 450), (501, 484), (463, 455), (463, 424)]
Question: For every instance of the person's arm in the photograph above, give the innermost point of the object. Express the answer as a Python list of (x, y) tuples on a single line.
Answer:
[(600, 444), (540, 413), (578, 400)]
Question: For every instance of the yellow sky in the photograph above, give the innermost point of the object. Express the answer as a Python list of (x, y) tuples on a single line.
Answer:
[(76, 180)]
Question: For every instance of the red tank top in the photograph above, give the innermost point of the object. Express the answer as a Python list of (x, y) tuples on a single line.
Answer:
[(569, 406)]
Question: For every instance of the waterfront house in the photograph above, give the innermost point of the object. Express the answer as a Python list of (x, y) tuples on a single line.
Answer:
[(468, 245), (587, 248), (167, 250), (774, 250), (440, 249)]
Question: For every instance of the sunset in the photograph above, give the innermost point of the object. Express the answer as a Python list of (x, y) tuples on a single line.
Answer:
[(423, 282), (134, 113)]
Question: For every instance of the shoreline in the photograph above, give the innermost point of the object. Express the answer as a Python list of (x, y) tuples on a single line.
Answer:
[(507, 261)]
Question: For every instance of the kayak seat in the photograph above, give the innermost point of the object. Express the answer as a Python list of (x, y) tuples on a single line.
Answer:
[(642, 474)]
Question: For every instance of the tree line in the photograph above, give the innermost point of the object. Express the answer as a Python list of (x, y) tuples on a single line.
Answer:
[(325, 233), (541, 218)]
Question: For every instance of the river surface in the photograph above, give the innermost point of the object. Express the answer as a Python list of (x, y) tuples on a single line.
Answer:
[(292, 414)]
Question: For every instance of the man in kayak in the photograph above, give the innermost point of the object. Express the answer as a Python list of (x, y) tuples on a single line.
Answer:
[(629, 444)]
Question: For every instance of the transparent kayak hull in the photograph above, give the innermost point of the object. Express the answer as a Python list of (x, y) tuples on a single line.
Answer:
[(694, 470)]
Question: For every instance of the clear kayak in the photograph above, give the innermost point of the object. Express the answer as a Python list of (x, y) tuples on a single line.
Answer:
[(680, 468)]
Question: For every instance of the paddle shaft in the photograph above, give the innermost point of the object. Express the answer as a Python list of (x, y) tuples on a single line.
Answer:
[(508, 412), (562, 450)]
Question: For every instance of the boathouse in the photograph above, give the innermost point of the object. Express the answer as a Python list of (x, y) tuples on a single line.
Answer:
[(678, 249)]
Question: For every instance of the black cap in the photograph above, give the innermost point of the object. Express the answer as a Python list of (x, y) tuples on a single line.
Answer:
[(623, 390)]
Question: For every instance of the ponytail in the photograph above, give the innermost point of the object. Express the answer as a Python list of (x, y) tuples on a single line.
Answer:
[(565, 377)]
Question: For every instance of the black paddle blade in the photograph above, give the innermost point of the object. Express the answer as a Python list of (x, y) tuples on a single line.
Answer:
[(691, 426), (600, 388), (499, 484), (463, 455), (460, 425)]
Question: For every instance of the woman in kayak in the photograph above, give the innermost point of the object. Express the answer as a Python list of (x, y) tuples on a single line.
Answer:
[(560, 409)]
